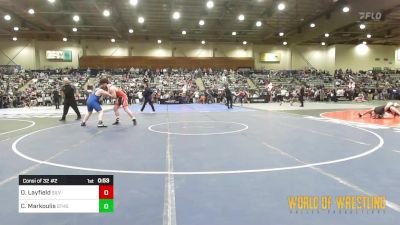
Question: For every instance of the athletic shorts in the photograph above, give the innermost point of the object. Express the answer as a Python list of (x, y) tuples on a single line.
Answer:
[(92, 103), (122, 99), (380, 110)]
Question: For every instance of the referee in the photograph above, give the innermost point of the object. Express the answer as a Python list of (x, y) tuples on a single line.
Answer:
[(69, 99), (148, 95)]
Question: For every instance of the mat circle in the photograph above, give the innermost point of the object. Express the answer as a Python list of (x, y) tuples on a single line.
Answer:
[(261, 170), (241, 127), (31, 124)]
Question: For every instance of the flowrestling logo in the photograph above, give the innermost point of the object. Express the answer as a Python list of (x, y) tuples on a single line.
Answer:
[(370, 15)]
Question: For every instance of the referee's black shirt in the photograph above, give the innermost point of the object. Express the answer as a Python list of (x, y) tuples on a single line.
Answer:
[(69, 92)]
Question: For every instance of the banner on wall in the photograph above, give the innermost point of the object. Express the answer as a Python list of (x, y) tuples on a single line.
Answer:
[(65, 55), (270, 57), (398, 54)]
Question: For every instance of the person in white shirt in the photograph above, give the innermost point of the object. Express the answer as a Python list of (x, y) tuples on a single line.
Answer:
[(196, 96), (140, 96)]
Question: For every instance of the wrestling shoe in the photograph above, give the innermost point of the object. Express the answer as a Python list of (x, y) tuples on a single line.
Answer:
[(101, 124)]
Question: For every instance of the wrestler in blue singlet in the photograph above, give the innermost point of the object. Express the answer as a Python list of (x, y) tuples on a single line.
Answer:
[(93, 102)]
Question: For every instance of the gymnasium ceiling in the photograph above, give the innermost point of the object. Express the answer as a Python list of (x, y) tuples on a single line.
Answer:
[(53, 21)]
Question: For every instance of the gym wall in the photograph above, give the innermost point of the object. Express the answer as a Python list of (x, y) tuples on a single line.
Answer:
[(31, 54)]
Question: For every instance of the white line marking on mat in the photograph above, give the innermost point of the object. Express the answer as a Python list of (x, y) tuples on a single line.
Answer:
[(29, 169), (32, 123), (341, 121), (245, 127), (5, 139), (354, 141), (389, 204), (326, 134), (368, 152), (169, 195)]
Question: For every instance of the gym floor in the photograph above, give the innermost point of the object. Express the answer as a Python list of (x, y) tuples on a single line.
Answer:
[(207, 165)]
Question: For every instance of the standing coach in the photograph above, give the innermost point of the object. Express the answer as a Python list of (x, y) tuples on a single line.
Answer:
[(228, 95), (69, 99), (301, 96)]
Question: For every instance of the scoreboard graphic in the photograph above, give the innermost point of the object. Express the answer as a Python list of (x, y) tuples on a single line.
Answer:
[(66, 194)]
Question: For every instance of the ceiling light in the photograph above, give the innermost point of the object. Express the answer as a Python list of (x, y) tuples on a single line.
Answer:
[(364, 42), (74, 29), (234, 33), (312, 25), (203, 42), (176, 15), (201, 22), (245, 42), (362, 26), (130, 31), (7, 17), (76, 18), (184, 32), (326, 34), (16, 28), (106, 13), (141, 19), (51, 1), (241, 17), (112, 40), (65, 39), (346, 9), (133, 2), (15, 38), (323, 43), (31, 11), (159, 41), (258, 23), (281, 6), (369, 35), (210, 4), (281, 34), (284, 43)]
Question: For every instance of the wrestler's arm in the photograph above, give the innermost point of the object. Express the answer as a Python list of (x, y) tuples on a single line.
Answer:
[(104, 93), (387, 106), (112, 92), (394, 110)]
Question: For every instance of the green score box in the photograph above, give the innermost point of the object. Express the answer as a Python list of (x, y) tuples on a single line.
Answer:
[(106, 205)]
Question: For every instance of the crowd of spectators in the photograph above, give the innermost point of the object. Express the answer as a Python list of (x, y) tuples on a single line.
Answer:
[(322, 86), (201, 85), (12, 78), (37, 88)]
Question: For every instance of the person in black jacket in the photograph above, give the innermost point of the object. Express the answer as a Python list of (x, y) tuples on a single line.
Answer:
[(147, 95), (228, 96), (56, 98), (69, 99)]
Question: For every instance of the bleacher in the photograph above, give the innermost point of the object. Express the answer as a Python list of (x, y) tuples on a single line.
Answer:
[(176, 84)]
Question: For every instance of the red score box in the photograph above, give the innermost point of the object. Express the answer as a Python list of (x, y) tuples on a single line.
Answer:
[(106, 192)]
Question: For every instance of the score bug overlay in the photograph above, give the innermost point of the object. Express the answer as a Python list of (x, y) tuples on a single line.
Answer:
[(66, 194)]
